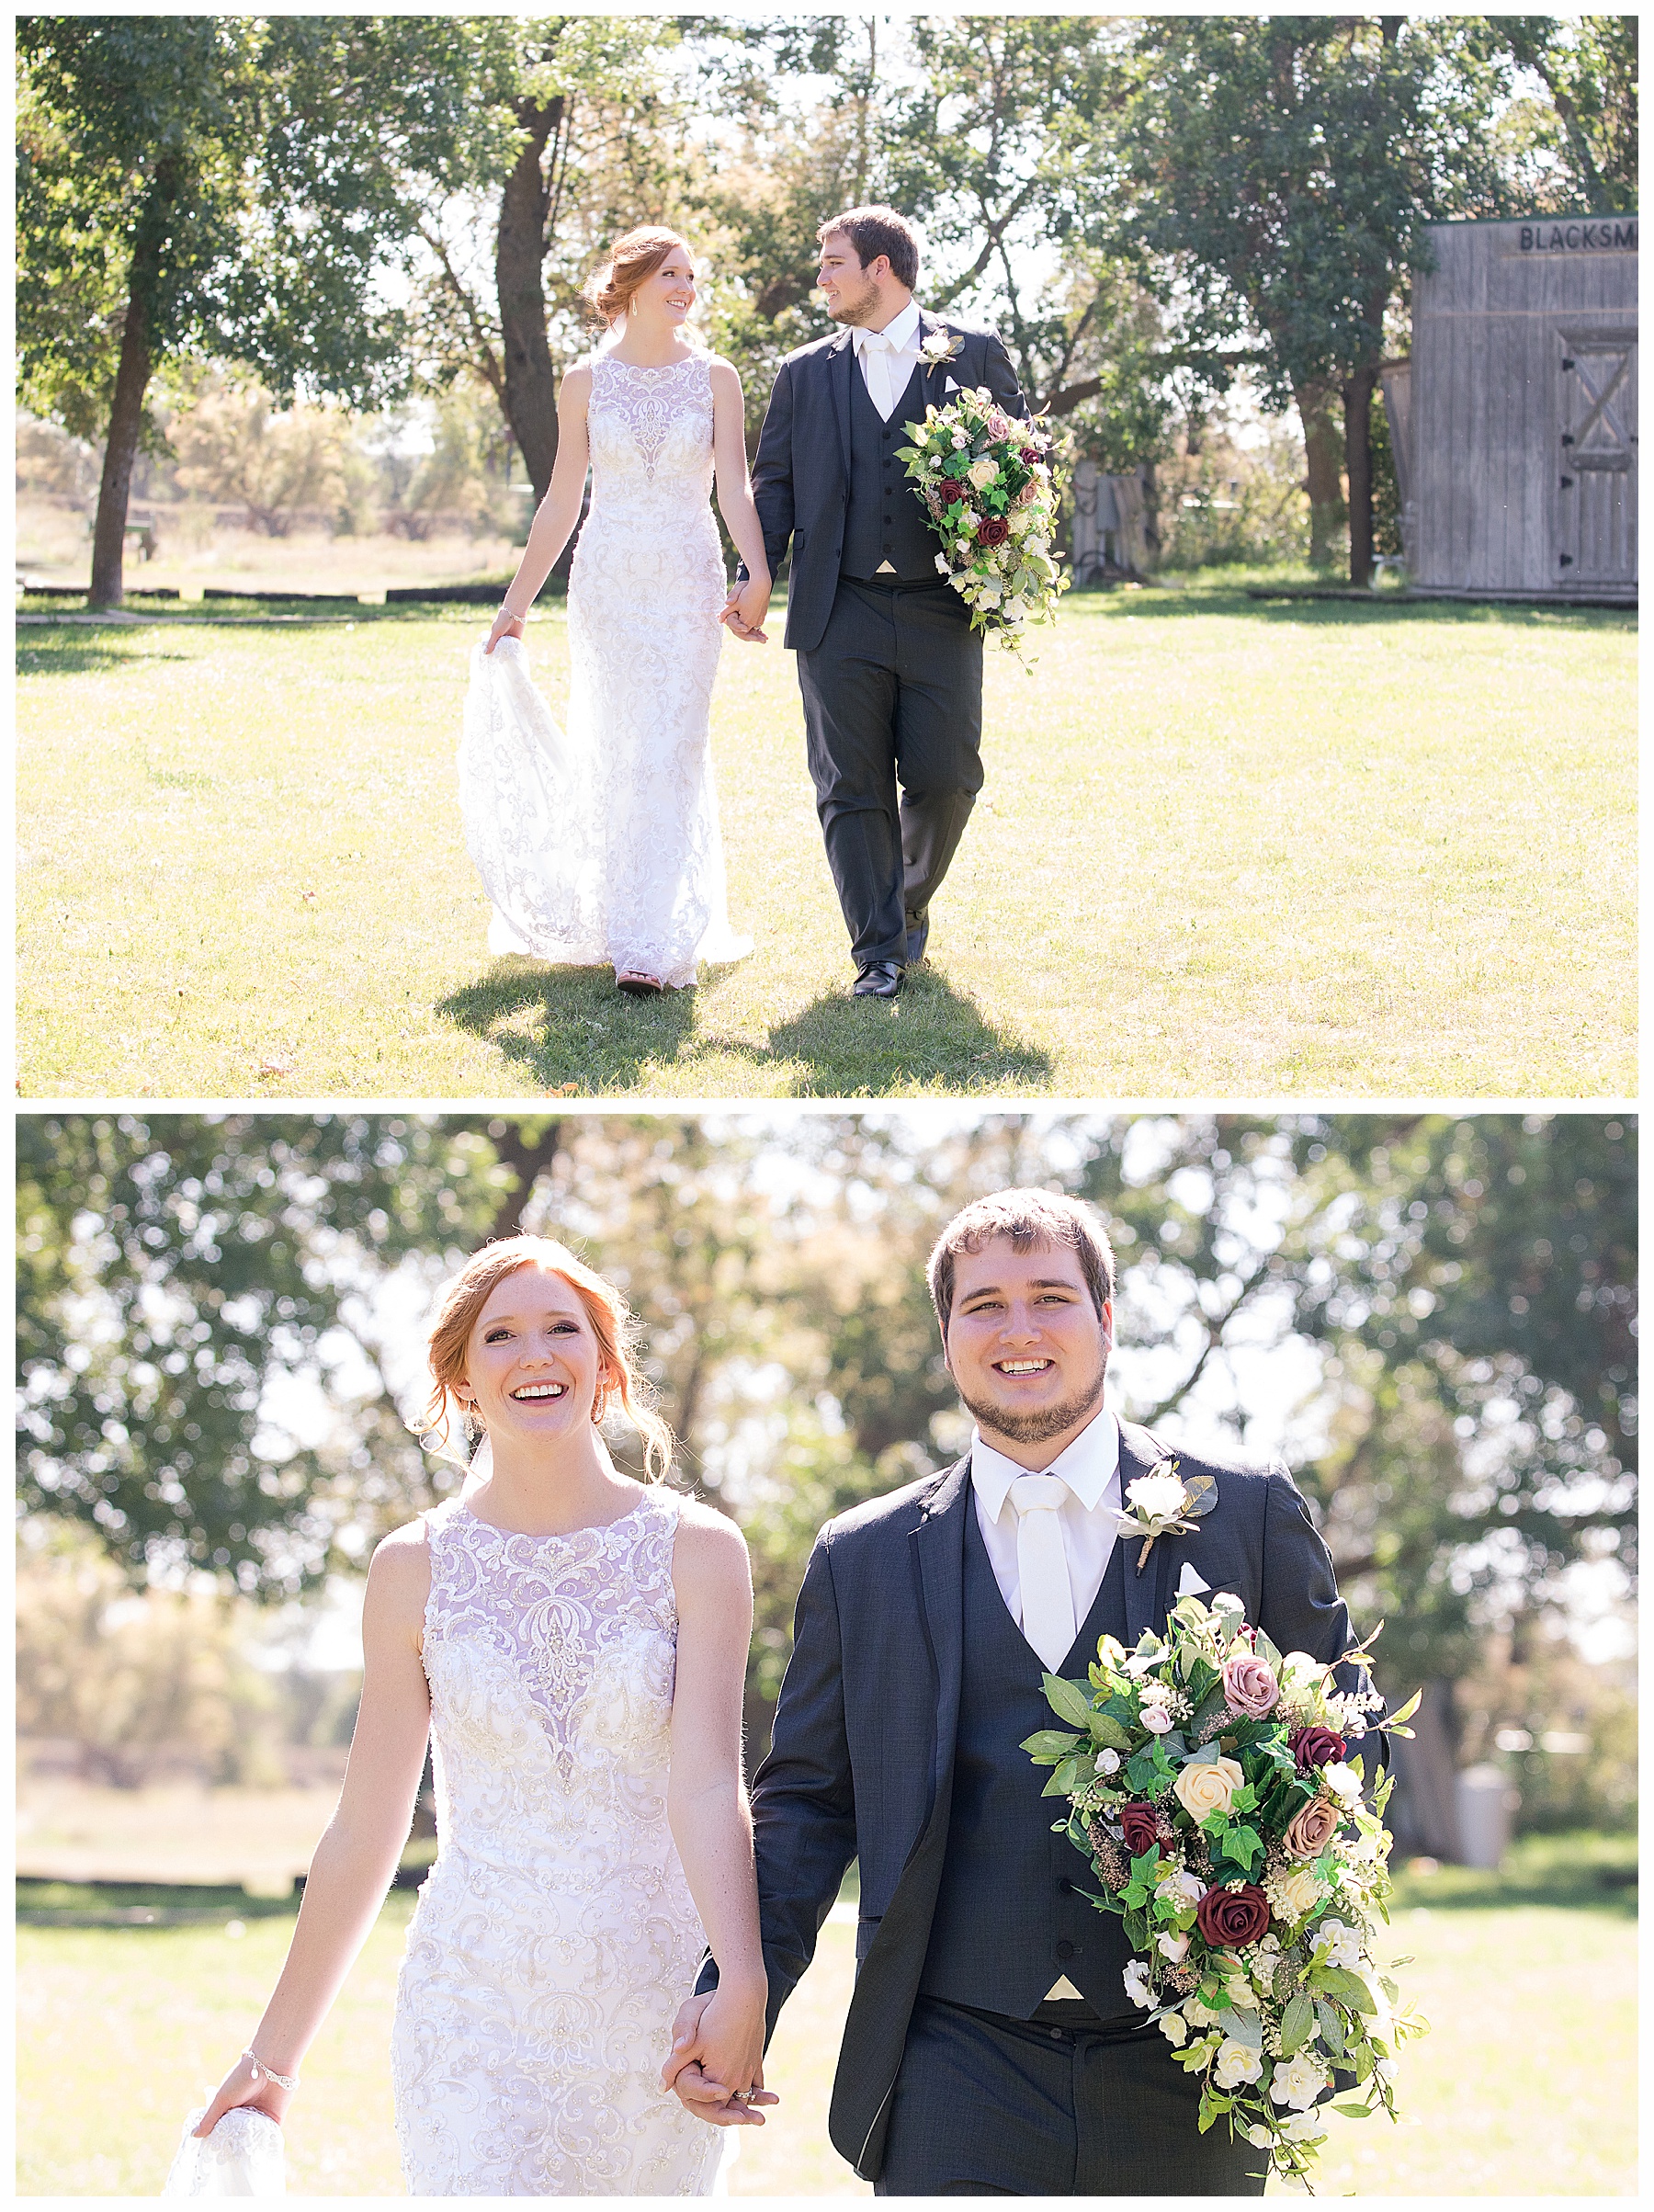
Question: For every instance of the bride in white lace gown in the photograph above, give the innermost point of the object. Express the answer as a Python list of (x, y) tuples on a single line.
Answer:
[(600, 844), (575, 1643)]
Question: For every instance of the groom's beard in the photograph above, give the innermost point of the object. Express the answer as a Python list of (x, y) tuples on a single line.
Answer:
[(856, 311), (1036, 1427)]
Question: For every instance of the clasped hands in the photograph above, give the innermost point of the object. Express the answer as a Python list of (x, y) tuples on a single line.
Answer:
[(716, 2062), (744, 609)]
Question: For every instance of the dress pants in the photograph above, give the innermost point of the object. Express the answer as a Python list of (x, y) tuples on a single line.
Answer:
[(988, 2106), (894, 690)]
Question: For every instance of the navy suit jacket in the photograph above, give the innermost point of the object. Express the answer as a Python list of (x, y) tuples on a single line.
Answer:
[(801, 478), (861, 1763)]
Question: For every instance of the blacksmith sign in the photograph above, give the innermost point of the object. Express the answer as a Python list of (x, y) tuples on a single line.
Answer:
[(1611, 234)]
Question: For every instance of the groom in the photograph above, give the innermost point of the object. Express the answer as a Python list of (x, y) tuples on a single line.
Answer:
[(891, 670), (990, 2046)]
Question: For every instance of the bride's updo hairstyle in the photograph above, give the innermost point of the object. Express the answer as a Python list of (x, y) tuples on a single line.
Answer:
[(462, 1298), (633, 261)]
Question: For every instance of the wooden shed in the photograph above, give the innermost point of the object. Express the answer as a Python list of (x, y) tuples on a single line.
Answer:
[(1515, 421)]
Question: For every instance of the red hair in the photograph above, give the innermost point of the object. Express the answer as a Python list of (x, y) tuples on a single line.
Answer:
[(462, 1298), (633, 261)]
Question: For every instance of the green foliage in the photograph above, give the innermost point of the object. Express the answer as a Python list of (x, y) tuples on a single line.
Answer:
[(1285, 165), (253, 178), (1573, 152)]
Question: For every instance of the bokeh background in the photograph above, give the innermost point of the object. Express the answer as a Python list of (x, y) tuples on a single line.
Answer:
[(220, 1338)]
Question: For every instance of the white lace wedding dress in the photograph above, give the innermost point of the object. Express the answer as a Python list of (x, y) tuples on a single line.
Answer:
[(602, 847), (555, 1937)]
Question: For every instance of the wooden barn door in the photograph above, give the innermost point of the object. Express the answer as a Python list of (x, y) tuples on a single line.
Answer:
[(1596, 508)]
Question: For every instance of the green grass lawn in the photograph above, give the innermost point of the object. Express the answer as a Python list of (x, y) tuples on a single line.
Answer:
[(1524, 2087), (1225, 848)]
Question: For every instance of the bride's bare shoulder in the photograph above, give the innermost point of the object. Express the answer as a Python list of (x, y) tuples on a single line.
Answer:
[(711, 1554)]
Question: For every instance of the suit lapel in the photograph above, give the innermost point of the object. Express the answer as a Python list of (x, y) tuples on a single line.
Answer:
[(932, 380), (1145, 1606), (841, 366), (938, 1548)]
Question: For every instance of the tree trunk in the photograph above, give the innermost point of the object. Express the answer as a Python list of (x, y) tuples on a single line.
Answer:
[(1358, 467), (519, 263), (1321, 444), (126, 419)]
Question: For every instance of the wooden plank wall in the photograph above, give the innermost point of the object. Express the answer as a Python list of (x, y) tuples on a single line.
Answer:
[(1490, 323)]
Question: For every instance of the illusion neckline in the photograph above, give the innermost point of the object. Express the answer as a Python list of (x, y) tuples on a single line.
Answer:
[(664, 369), (564, 1535)]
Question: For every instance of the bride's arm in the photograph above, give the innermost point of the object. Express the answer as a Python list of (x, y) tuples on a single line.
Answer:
[(751, 599), (705, 1799), (358, 1856), (557, 514)]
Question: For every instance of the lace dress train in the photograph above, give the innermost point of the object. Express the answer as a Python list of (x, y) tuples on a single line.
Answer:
[(555, 1936), (602, 845)]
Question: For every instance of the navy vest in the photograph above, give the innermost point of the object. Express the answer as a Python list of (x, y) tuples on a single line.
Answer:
[(884, 519), (1009, 1919)]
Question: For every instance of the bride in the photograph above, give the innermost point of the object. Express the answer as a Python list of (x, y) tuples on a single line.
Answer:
[(608, 850), (576, 1641)]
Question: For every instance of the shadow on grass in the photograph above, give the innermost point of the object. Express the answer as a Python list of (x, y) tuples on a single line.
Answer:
[(572, 1031), (1168, 602), (569, 1027), (931, 1034), (80, 652)]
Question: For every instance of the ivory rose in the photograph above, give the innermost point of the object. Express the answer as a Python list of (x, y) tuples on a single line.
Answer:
[(1208, 1787), (1157, 1497), (1296, 1891)]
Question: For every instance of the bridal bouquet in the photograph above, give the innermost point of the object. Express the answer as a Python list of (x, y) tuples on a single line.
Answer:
[(1208, 1783), (985, 478)]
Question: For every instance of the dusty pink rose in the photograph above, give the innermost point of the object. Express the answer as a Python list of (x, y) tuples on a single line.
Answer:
[(1309, 1832), (1250, 1687), (998, 425)]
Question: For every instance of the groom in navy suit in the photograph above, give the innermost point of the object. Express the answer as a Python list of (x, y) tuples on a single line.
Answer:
[(989, 2047), (891, 670)]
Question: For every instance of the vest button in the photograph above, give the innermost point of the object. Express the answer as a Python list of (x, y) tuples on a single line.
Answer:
[(1065, 1949)]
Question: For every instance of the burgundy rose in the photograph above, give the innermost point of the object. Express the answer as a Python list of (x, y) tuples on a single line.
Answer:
[(1233, 1917), (993, 530), (1030, 455), (1314, 1747), (1250, 1687), (1140, 1828)]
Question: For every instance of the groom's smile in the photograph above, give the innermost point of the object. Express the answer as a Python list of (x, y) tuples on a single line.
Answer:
[(1026, 1347)]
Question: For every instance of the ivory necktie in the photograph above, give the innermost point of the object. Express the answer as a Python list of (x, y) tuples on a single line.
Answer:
[(878, 355), (1044, 1593)]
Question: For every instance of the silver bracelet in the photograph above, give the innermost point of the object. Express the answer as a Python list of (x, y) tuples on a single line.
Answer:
[(270, 2073)]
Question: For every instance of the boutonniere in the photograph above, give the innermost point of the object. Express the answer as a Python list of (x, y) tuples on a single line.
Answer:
[(1163, 1504), (939, 345)]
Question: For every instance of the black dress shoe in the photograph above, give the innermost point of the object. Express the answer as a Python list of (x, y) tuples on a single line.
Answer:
[(879, 979), (918, 937)]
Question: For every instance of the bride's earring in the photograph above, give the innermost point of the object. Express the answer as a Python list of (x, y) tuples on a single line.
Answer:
[(471, 1428)]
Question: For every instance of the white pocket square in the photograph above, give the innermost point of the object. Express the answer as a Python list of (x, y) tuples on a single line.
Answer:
[(1189, 1583), (952, 386)]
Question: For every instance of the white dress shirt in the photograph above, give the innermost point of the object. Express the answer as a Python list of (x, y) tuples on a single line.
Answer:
[(886, 358), (1091, 1467)]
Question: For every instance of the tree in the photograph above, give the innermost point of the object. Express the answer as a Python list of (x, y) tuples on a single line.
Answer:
[(1574, 153), (231, 189), (595, 121), (1285, 166)]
